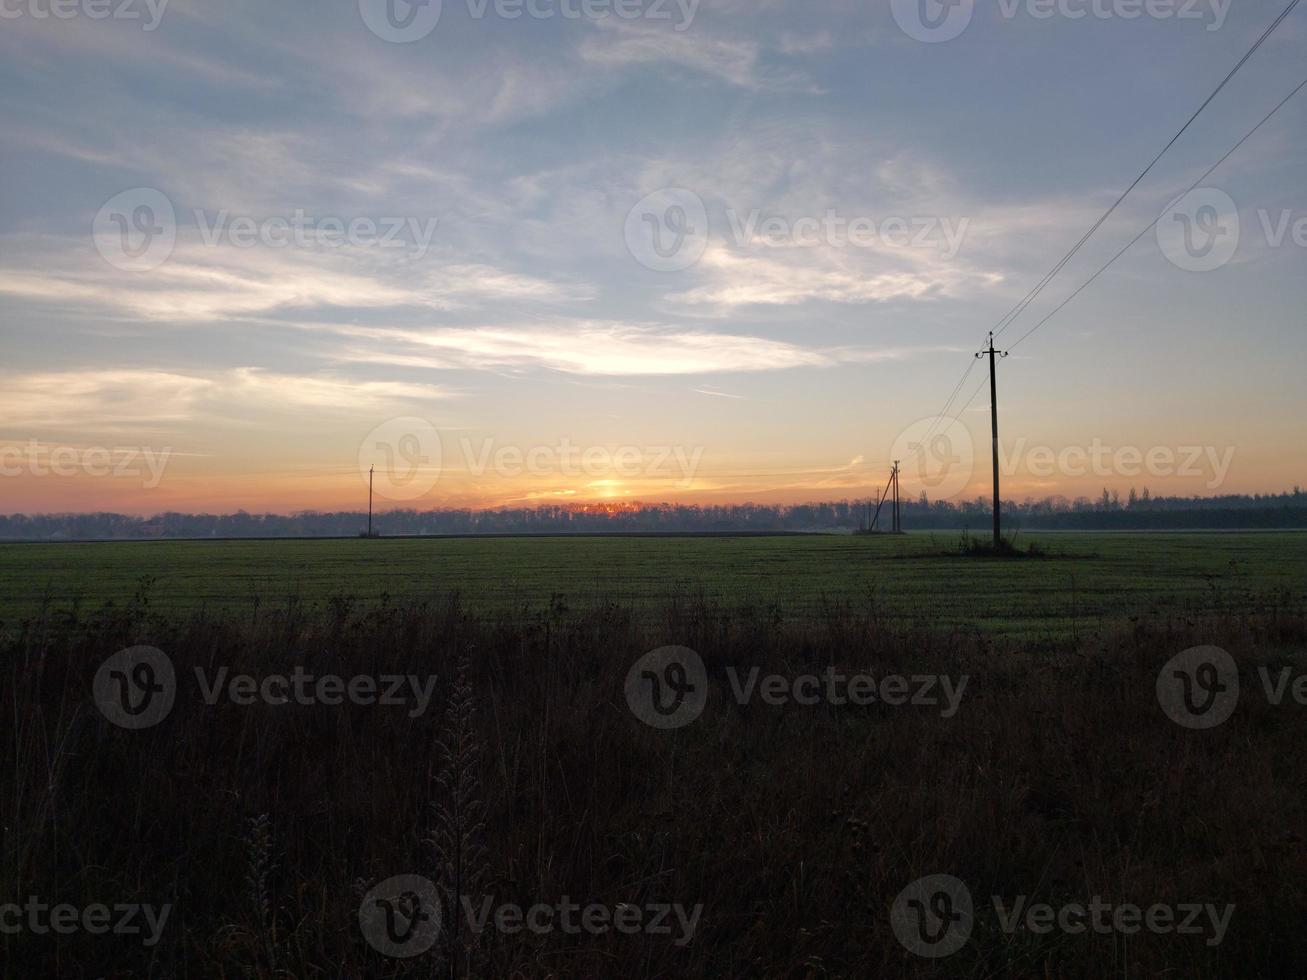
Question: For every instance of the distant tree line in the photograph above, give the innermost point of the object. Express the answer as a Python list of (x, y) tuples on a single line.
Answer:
[(1138, 511)]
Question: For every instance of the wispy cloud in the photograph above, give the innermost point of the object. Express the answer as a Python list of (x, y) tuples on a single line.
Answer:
[(203, 283), (736, 279), (119, 400), (717, 394), (739, 62), (584, 347)]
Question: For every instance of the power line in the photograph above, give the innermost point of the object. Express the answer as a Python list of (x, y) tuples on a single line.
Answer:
[(1153, 223), (1020, 308), (974, 393), (1017, 310), (1030, 297), (1265, 119), (943, 412)]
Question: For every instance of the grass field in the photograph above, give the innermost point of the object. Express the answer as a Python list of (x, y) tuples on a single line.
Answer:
[(1085, 581), (534, 775)]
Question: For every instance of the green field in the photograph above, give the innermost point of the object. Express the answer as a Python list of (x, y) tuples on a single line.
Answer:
[(1086, 579)]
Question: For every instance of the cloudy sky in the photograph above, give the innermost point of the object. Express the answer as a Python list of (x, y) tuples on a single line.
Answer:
[(640, 250)]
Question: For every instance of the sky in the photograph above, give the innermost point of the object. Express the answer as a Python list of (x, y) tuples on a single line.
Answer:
[(508, 254)]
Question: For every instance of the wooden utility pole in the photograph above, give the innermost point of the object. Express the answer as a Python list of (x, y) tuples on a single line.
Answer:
[(898, 517), (993, 412)]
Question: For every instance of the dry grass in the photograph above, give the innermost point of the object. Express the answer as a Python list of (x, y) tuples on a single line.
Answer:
[(795, 827)]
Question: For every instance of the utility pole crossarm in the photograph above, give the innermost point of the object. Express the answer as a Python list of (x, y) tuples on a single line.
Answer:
[(993, 412)]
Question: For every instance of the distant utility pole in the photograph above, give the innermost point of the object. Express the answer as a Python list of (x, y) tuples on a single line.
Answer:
[(993, 412), (370, 471), (898, 519)]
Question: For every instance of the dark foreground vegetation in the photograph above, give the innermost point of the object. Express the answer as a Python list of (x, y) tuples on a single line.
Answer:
[(531, 780)]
